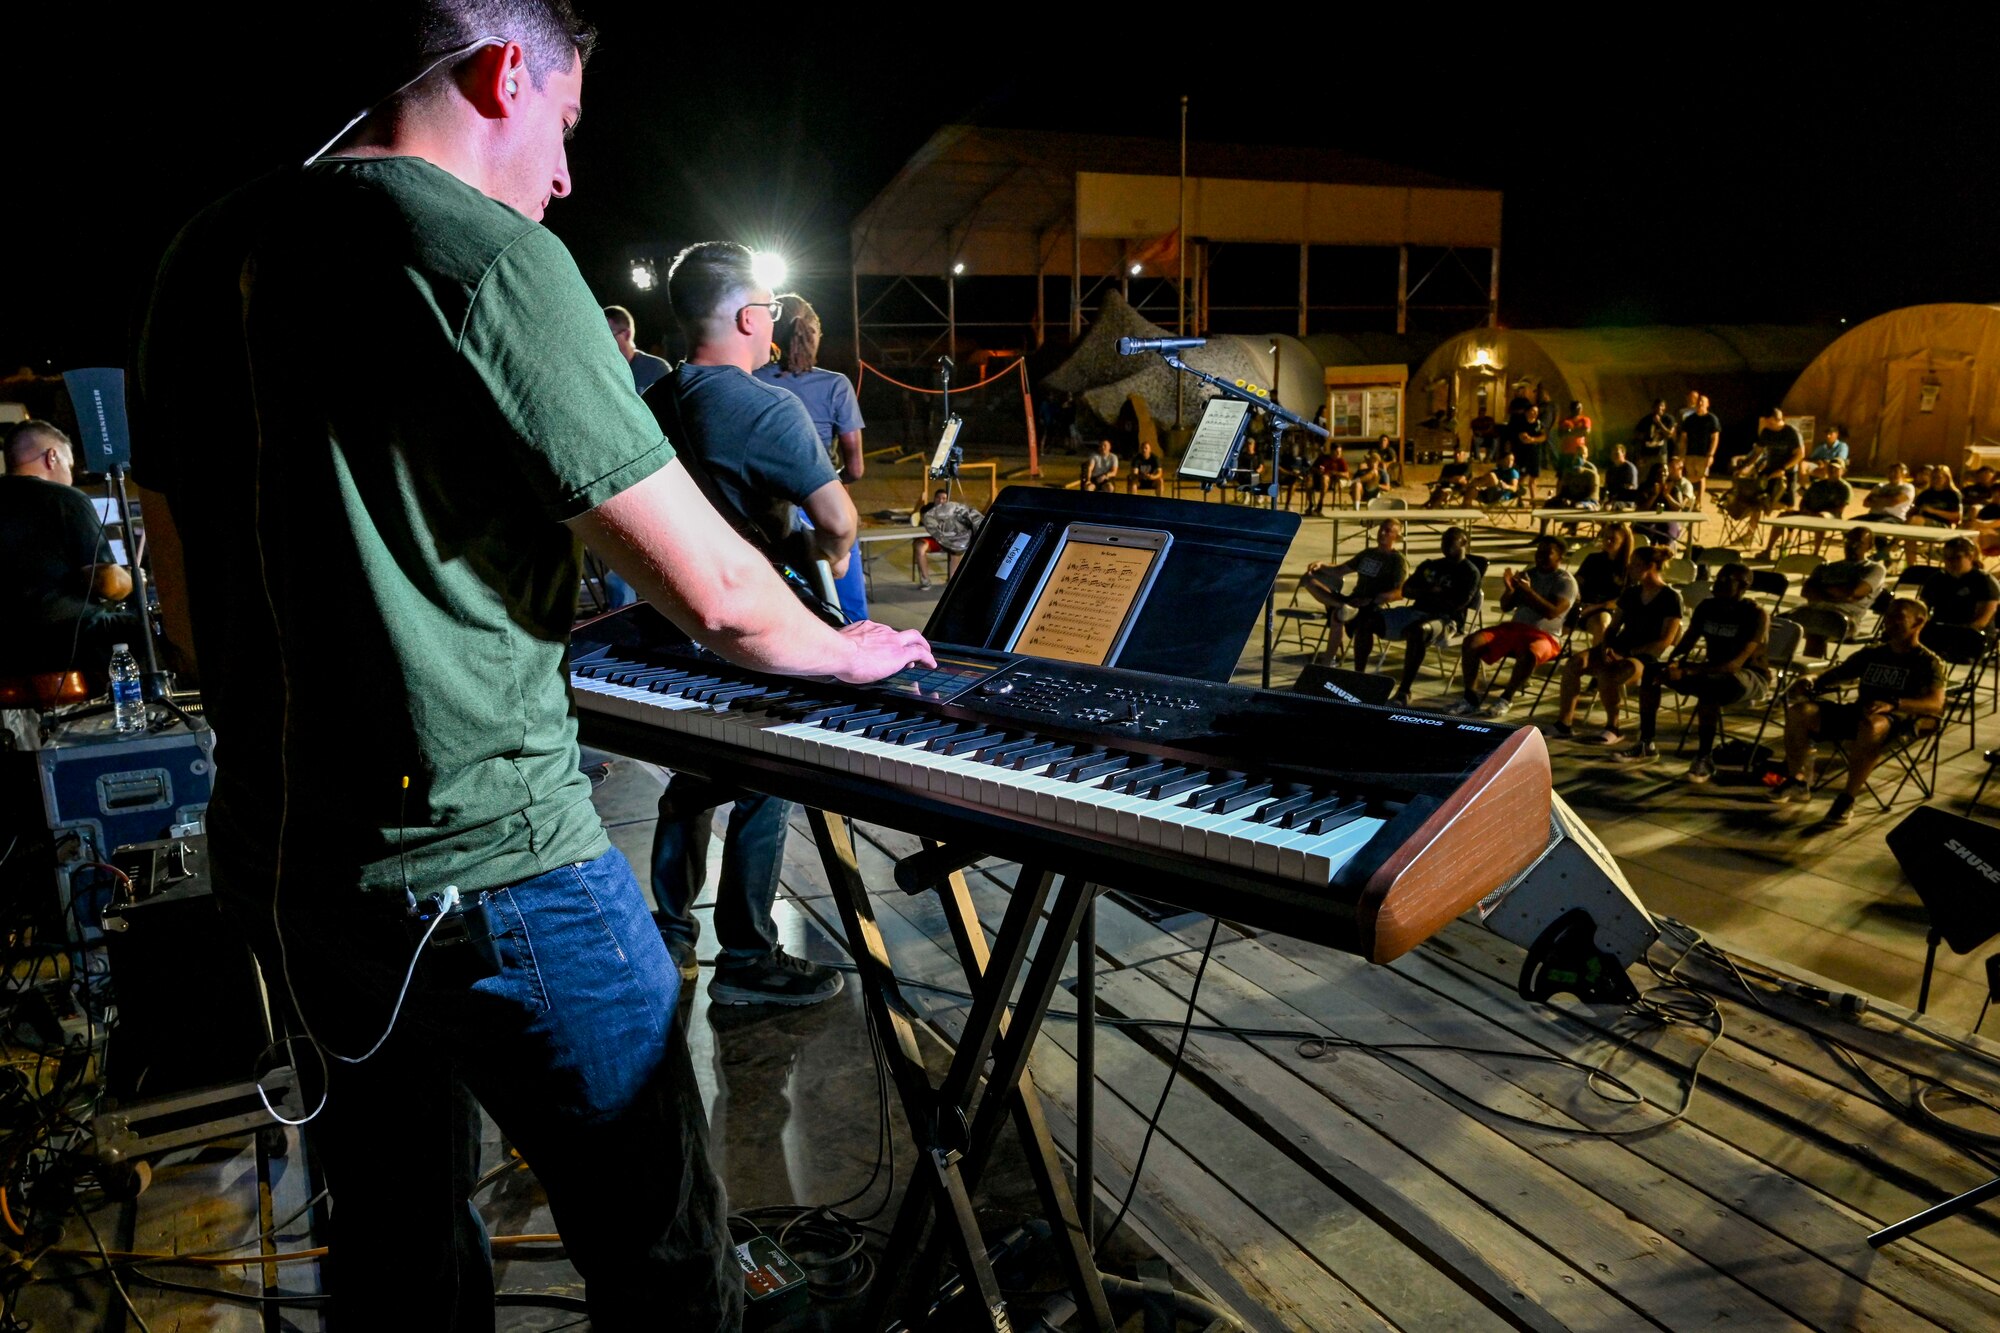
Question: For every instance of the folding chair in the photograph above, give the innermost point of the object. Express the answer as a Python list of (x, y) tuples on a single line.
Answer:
[(1681, 570), (1708, 559), (1448, 644), (1293, 618), (1820, 622), (1770, 583), (1915, 753), (1960, 646)]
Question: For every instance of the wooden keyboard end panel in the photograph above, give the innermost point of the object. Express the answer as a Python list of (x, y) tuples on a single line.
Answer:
[(1490, 830)]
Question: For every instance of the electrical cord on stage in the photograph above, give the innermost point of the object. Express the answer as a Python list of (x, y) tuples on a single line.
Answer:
[(1174, 1068), (111, 1272)]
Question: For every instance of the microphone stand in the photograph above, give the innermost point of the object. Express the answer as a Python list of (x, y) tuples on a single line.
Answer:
[(1281, 420)]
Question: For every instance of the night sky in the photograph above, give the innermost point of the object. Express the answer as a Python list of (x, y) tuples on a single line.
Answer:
[(1677, 186)]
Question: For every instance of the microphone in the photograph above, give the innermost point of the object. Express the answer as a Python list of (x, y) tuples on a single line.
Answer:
[(1134, 346)]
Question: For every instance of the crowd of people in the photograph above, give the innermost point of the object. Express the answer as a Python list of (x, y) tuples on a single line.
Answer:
[(1645, 614)]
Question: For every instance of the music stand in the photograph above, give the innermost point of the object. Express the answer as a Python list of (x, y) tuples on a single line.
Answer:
[(1954, 864)]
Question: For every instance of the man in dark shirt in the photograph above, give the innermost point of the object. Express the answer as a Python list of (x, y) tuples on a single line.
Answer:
[(1774, 462), (407, 556), (1441, 591), (1145, 473), (1731, 631), (1654, 434), (1962, 593), (647, 369), (754, 450), (1378, 572), (1621, 479), (1899, 682), (1699, 436), (1644, 625), (1525, 436), (59, 586)]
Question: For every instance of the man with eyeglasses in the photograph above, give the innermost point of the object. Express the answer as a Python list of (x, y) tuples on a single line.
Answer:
[(757, 455)]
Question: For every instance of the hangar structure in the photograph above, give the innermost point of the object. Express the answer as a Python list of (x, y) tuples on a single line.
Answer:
[(976, 203)]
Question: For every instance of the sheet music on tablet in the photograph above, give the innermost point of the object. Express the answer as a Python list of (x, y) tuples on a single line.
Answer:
[(1222, 423)]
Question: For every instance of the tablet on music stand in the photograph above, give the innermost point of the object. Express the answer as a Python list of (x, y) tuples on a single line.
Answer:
[(1216, 439), (941, 457)]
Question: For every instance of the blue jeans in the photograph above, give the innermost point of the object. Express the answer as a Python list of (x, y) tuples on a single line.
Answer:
[(560, 1020), (617, 592), (753, 849), (853, 588)]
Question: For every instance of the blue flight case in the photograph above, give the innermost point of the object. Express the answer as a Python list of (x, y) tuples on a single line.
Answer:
[(102, 790)]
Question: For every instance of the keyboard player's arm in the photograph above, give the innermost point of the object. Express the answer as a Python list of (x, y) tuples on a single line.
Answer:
[(672, 546)]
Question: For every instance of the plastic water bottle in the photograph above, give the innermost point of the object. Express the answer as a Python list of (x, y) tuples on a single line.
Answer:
[(128, 701)]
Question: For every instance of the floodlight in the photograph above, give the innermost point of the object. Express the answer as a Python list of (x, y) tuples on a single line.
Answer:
[(645, 276), (958, 268), (768, 268), (1135, 270)]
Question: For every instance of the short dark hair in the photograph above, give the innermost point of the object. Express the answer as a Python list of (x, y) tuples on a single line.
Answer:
[(1561, 546), (703, 277), (1858, 533), (619, 318), (550, 32), (31, 438), (1653, 555), (1961, 546), (1734, 569)]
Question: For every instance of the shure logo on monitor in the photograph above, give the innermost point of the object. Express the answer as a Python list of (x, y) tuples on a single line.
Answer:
[(1972, 858)]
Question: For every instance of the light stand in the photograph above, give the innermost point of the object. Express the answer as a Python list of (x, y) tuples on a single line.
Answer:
[(1280, 421)]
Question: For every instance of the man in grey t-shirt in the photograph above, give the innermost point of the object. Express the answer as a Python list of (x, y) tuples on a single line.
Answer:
[(753, 450), (1539, 598)]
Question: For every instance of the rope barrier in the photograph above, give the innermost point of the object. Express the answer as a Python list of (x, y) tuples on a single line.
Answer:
[(956, 388)]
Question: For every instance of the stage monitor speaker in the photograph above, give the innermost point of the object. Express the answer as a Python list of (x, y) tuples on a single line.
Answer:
[(1954, 864), (1351, 687)]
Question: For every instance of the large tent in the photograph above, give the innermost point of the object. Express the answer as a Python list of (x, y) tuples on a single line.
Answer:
[(1103, 380), (1616, 373), (1917, 385)]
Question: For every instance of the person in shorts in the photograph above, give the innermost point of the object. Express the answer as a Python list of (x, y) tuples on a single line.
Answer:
[(1731, 630), (1441, 591), (1644, 624), (1378, 570), (1539, 598), (1696, 441), (1899, 684), (1848, 585)]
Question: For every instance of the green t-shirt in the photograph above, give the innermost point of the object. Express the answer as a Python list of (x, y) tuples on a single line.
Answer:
[(398, 389)]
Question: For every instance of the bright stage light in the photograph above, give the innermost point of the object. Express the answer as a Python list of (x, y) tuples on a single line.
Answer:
[(1135, 270), (644, 275), (768, 268), (957, 269)]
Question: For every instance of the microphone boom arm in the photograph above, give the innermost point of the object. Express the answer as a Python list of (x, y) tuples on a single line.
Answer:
[(1259, 401)]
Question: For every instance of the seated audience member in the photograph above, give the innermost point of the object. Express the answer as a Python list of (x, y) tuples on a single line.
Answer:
[(1440, 592), (1599, 580), (1248, 474), (1848, 585), (1145, 474), (1500, 485), (1378, 572), (1101, 468), (1644, 626), (1369, 479), (1938, 505), (1961, 593), (1889, 502), (1979, 489), (1390, 454), (1577, 488), (1731, 631), (949, 526), (1899, 682), (1621, 479), (1292, 464), (60, 590), (1336, 476), (1827, 495), (1453, 480), (1539, 598), (1667, 490), (1831, 446), (1764, 479)]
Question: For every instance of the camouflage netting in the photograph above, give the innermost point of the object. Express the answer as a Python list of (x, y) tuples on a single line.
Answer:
[(1102, 379)]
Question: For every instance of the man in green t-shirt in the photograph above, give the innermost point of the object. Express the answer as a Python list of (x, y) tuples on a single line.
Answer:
[(376, 409)]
